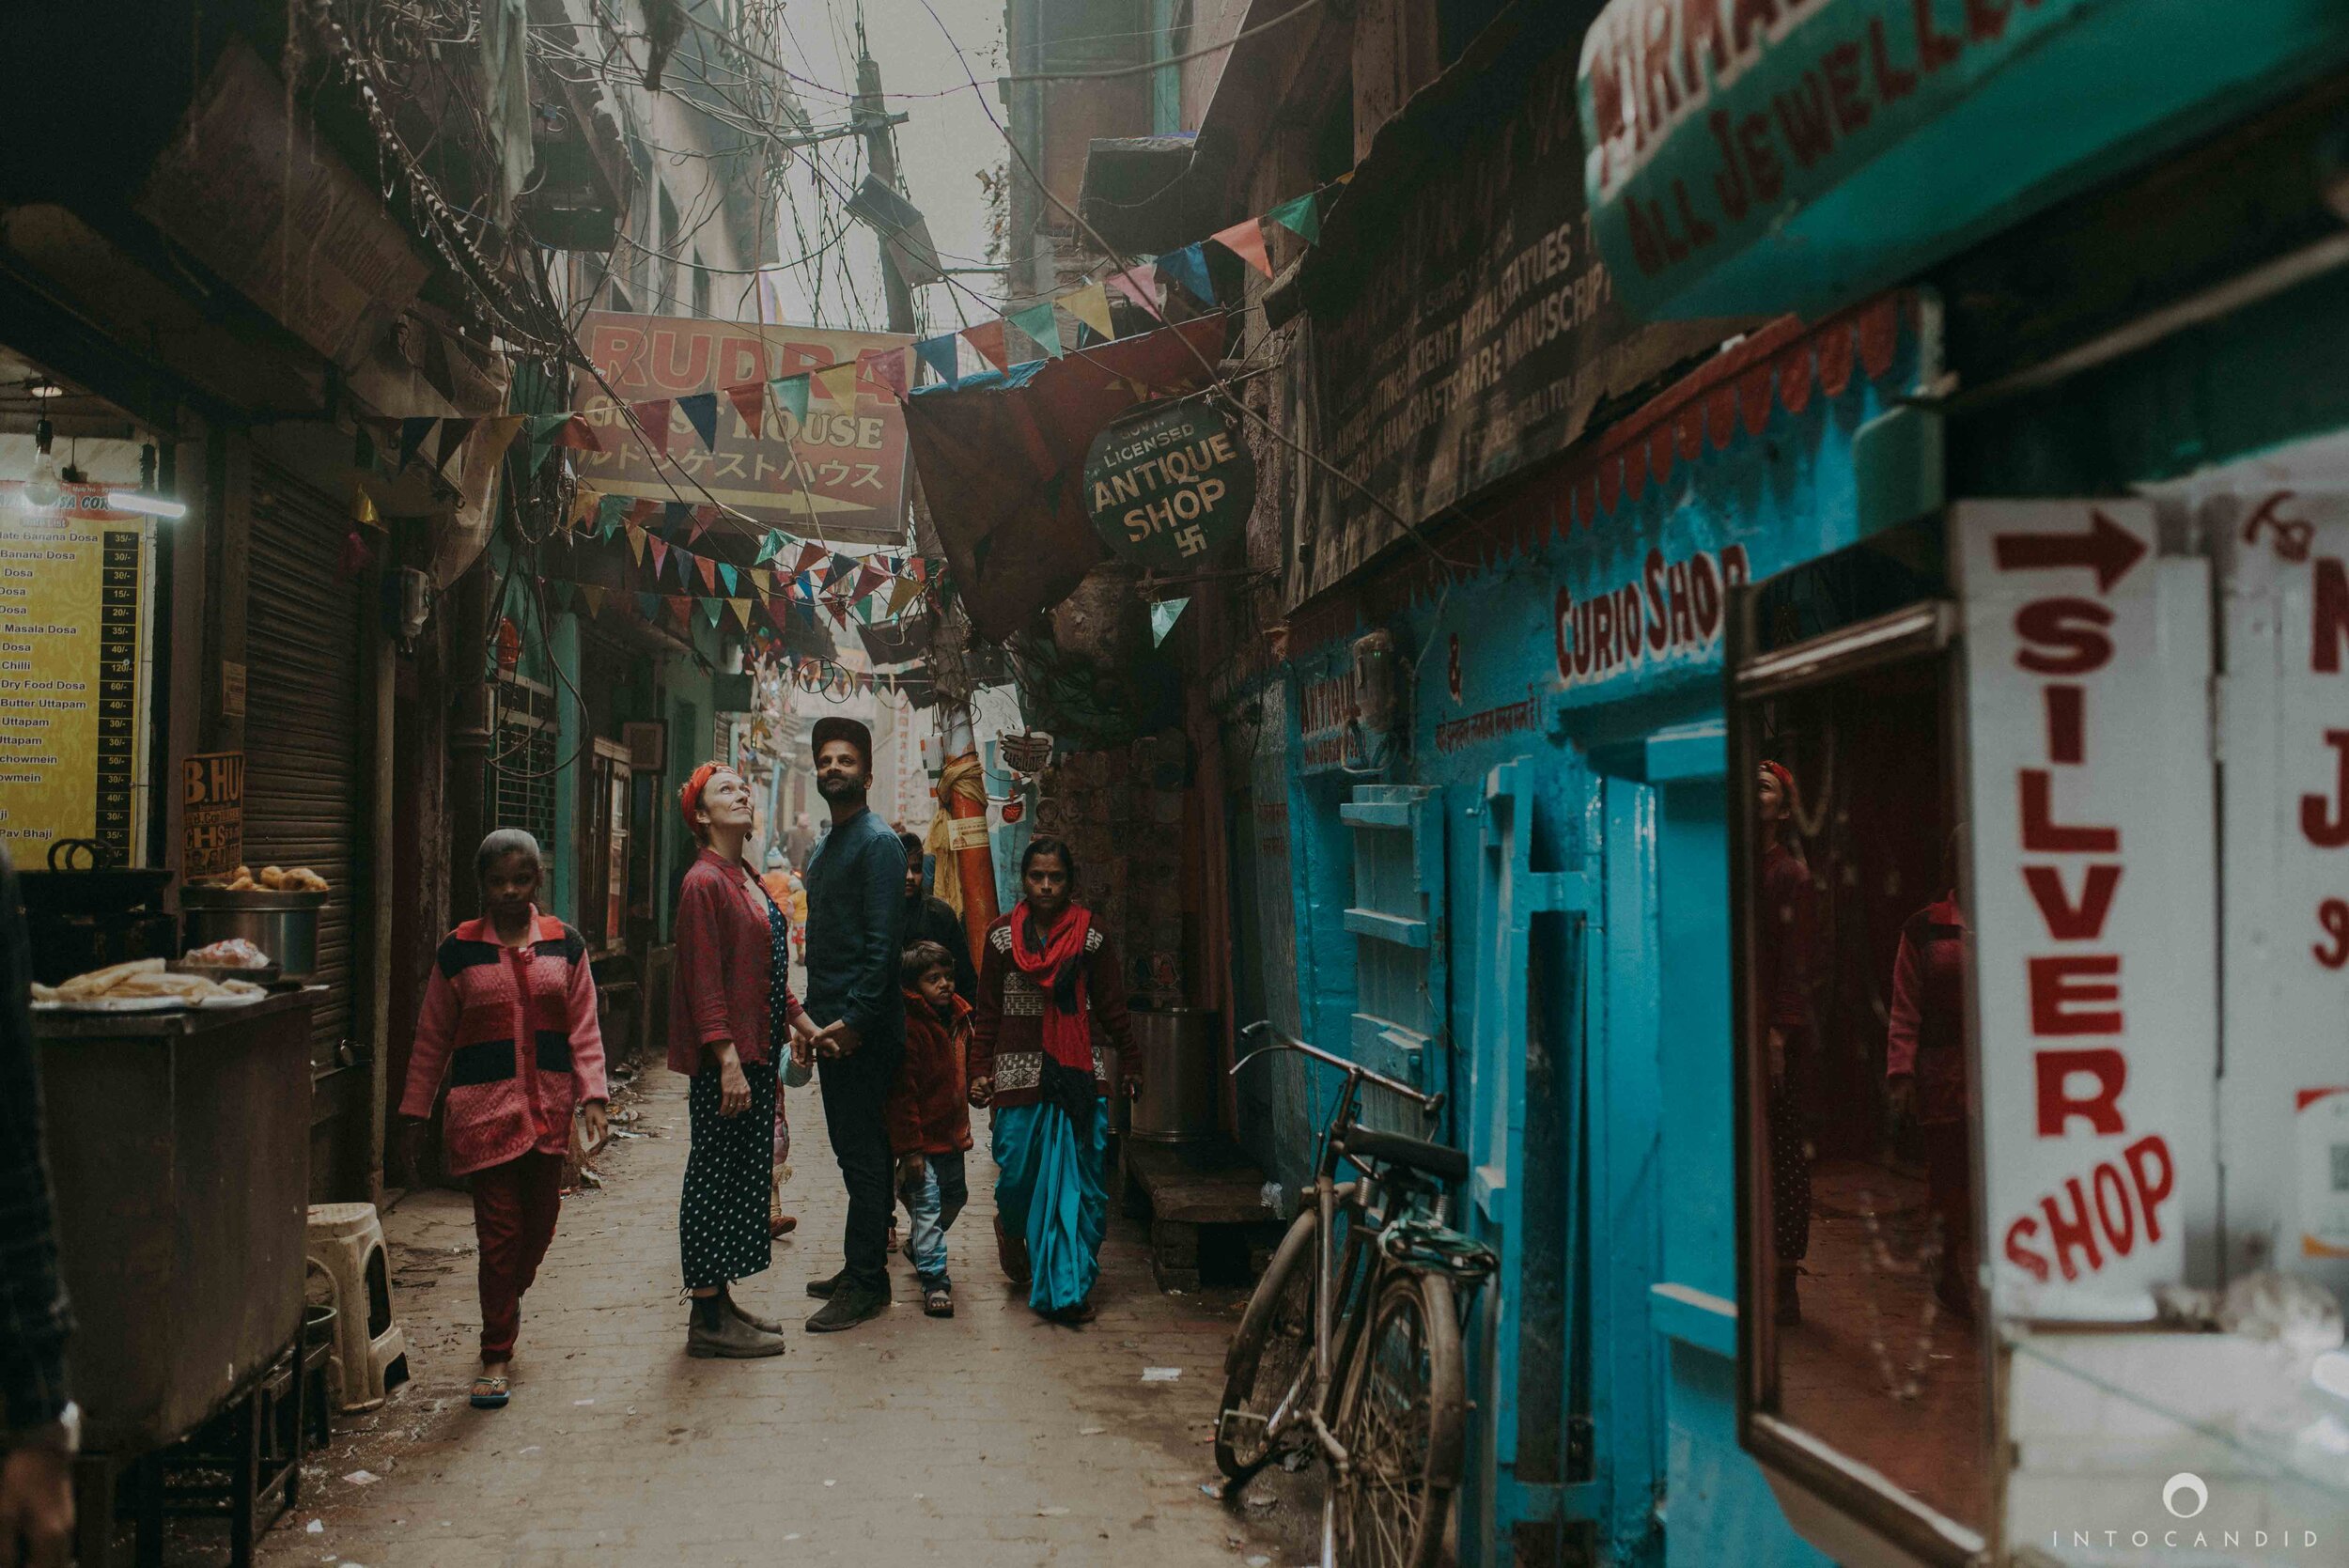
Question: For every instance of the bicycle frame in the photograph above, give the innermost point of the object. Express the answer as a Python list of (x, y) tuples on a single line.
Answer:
[(1369, 1195)]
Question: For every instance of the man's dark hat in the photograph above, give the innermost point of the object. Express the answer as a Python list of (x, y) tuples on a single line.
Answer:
[(830, 729)]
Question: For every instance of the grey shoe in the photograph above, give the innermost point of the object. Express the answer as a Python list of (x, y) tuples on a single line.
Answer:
[(847, 1308), (732, 1340), (822, 1289), (764, 1324)]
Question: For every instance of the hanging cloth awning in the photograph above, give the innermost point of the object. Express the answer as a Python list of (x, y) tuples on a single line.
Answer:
[(1001, 456)]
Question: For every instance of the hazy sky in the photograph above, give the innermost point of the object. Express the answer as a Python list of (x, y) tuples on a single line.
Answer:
[(941, 149)]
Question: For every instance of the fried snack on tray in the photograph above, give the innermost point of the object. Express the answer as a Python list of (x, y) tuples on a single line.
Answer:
[(145, 979), (232, 952)]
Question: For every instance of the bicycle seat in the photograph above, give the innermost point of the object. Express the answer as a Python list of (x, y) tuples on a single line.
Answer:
[(1439, 1161)]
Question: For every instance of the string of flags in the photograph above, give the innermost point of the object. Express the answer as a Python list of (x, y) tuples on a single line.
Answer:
[(1087, 305), (789, 576), (882, 373)]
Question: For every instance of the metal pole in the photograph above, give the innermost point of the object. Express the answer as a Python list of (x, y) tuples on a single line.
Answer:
[(974, 858)]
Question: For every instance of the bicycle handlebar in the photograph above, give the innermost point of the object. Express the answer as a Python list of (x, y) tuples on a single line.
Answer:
[(1428, 1103)]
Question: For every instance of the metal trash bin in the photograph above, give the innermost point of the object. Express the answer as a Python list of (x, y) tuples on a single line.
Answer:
[(1178, 1102)]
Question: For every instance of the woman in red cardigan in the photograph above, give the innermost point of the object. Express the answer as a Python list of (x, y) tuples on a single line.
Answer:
[(510, 1019), (1051, 995), (730, 1010)]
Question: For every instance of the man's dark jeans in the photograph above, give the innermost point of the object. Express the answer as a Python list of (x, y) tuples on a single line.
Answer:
[(855, 1090)]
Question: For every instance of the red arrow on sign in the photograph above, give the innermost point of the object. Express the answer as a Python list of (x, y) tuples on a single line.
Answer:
[(2108, 548)]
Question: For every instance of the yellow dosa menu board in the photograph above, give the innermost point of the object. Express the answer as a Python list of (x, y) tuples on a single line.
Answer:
[(74, 581)]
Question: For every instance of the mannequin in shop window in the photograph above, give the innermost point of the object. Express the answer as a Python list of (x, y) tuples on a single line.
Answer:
[(1925, 1065), (1785, 936)]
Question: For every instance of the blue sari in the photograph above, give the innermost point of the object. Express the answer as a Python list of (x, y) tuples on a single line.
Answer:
[(1048, 1190)]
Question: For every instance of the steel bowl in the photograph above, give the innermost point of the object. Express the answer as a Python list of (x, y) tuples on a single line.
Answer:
[(283, 925)]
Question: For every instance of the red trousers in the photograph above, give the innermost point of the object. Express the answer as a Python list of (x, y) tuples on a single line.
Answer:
[(514, 1207)]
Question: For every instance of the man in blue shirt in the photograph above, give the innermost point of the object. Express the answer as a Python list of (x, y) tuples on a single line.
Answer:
[(855, 934)]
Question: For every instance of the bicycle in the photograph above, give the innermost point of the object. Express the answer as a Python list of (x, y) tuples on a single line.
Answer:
[(1353, 1354)]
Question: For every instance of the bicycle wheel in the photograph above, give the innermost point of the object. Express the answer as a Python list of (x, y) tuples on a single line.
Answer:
[(1402, 1421), (1272, 1358)]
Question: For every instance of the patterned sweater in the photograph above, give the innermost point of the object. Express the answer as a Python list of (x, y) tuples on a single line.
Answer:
[(1007, 1030), (514, 1031)]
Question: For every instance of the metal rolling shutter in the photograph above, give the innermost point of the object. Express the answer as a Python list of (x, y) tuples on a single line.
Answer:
[(302, 729)]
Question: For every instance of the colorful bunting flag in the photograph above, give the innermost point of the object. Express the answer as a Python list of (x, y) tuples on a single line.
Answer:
[(811, 555), (701, 411), (609, 511), (636, 540), (1187, 267), (1039, 324), (453, 434), (1301, 217), (767, 546), (741, 608), (652, 420), (1091, 305), (1139, 283), (497, 435), (749, 401), (411, 434), (660, 556), (987, 338), (942, 356), (592, 597), (708, 570), (837, 382), (791, 395), (726, 575), (681, 606), (1246, 241), (648, 606), (905, 592), (884, 367), (867, 579), (575, 432)]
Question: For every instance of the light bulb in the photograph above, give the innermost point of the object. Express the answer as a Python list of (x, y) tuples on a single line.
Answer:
[(41, 488)]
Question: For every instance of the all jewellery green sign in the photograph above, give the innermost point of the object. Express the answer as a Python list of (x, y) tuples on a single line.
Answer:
[(1750, 156), (1170, 485)]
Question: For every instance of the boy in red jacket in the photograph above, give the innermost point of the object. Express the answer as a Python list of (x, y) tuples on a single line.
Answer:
[(929, 1121)]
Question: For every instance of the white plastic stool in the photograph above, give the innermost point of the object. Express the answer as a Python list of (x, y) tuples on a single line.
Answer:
[(346, 1243)]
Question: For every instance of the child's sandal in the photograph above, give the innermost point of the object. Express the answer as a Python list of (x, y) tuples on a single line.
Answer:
[(488, 1392), (938, 1301)]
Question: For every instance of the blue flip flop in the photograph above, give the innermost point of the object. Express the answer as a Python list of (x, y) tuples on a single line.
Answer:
[(489, 1393)]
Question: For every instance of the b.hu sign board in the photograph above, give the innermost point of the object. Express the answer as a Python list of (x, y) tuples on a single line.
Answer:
[(1169, 488)]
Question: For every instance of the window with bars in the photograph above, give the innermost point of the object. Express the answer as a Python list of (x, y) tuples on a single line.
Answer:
[(523, 757)]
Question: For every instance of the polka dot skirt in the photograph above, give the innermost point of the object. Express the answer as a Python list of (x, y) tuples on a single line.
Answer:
[(721, 1218)]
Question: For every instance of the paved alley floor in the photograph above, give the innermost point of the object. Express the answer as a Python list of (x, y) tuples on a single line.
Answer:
[(992, 1439)]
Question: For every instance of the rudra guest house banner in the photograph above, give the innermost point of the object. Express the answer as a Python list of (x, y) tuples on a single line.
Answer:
[(835, 473), (2092, 903), (1464, 323), (73, 666), (1794, 155)]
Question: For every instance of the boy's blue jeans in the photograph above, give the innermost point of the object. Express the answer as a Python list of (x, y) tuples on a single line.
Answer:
[(934, 1205)]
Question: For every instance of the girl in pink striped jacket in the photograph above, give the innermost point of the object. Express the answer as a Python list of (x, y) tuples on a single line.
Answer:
[(510, 1019)]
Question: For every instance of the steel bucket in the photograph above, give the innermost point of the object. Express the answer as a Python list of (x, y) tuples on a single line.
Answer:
[(285, 926), (1178, 1102)]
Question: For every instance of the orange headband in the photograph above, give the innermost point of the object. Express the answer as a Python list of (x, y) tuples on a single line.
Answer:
[(1779, 770), (689, 796)]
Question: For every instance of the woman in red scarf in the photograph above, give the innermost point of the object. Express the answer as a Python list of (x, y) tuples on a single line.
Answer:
[(1051, 995)]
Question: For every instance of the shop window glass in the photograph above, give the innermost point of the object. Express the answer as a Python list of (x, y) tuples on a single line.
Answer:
[(1859, 1184)]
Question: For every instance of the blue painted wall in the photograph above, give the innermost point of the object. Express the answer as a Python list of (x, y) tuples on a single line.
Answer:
[(1642, 1056)]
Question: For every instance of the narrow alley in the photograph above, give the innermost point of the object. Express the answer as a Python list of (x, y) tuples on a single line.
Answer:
[(991, 1439)]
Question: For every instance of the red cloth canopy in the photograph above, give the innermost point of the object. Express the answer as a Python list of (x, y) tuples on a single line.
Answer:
[(1002, 458)]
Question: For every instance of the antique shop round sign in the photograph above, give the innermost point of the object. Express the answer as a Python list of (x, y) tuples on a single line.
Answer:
[(1169, 486)]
